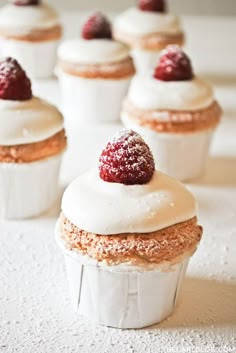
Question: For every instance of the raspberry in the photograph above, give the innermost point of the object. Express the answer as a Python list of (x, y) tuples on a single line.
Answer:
[(97, 26), (14, 84), (25, 2), (174, 65), (127, 159), (152, 5)]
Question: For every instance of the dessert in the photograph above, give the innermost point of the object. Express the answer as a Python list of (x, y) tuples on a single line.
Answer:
[(127, 232), (30, 31), (32, 140), (94, 73), (148, 29), (176, 112)]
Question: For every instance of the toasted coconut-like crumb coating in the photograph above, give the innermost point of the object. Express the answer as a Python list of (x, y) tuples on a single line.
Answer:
[(165, 245), (152, 42), (176, 121), (34, 151), (118, 70), (35, 35)]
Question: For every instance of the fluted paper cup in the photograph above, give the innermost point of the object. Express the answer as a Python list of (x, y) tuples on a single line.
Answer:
[(180, 155), (91, 100), (38, 59), (121, 296), (28, 189)]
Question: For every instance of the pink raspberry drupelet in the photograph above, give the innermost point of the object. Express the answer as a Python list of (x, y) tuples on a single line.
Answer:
[(97, 27), (174, 65), (152, 5), (127, 159), (14, 83)]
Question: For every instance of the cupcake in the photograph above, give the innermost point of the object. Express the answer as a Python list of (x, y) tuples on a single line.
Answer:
[(32, 140), (127, 232), (176, 113), (94, 73), (29, 32), (148, 29)]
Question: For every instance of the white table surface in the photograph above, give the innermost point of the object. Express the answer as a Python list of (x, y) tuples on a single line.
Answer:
[(35, 310)]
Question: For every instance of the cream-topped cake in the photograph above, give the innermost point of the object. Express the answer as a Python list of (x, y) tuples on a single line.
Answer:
[(103, 51), (39, 120), (147, 29), (29, 31), (149, 93), (176, 112), (127, 219), (94, 70), (32, 139), (116, 208)]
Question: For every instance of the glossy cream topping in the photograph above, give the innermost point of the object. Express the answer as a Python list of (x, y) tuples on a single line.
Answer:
[(111, 208), (23, 122), (147, 92), (94, 51), (136, 22), (26, 18)]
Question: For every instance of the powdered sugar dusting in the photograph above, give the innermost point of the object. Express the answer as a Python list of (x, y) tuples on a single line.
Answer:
[(174, 65), (97, 26), (14, 84), (127, 159)]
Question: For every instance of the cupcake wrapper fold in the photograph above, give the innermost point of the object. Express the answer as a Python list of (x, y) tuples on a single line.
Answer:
[(38, 59), (91, 100), (28, 189), (121, 298)]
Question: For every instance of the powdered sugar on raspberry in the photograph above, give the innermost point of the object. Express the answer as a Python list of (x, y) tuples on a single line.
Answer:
[(127, 159), (97, 26), (14, 84), (174, 65)]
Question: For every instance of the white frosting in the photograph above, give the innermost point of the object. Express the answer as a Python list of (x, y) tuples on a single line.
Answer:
[(111, 208), (146, 92), (26, 18), (92, 51), (23, 122), (136, 22)]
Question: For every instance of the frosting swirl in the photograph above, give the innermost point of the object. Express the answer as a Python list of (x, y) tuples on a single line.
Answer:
[(26, 18), (94, 51), (137, 22), (147, 92), (109, 208), (29, 121)]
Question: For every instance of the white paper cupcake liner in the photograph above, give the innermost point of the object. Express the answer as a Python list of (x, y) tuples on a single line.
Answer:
[(121, 297), (182, 156), (145, 60), (28, 189), (91, 100), (38, 59)]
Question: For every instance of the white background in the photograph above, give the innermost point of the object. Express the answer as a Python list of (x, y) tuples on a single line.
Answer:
[(35, 310), (212, 7)]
